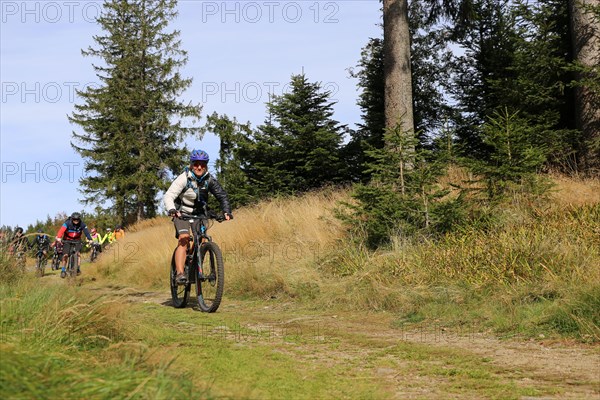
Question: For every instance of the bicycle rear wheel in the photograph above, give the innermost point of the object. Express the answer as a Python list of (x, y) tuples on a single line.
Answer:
[(179, 293), (210, 278)]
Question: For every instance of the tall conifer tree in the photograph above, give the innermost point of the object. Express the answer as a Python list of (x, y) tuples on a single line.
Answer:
[(132, 119), (298, 147)]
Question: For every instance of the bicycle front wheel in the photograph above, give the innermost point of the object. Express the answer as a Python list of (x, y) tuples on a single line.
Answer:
[(40, 267), (179, 293), (55, 263), (210, 277), (72, 266)]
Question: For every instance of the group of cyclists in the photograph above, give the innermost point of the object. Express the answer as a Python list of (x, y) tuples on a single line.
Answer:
[(187, 194), (67, 238)]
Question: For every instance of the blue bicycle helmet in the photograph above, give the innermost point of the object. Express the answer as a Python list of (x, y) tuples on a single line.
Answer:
[(199, 155)]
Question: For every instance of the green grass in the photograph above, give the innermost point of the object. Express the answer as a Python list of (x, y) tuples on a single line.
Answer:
[(259, 356), (47, 374), (456, 372), (57, 339), (54, 342), (236, 360)]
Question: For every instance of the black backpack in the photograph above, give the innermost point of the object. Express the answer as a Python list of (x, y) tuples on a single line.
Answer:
[(189, 185)]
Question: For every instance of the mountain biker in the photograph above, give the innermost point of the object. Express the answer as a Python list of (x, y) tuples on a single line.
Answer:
[(189, 194), (110, 236), (119, 232), (97, 239), (72, 230), (19, 243), (57, 246), (43, 243)]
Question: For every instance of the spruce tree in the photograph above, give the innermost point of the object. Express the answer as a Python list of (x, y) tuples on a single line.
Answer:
[(235, 144), (516, 157), (403, 198), (516, 60), (298, 147), (369, 134), (537, 87), (131, 121), (488, 50)]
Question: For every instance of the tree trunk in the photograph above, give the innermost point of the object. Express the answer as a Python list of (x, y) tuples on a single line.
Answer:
[(120, 206), (397, 70), (585, 34), (141, 191)]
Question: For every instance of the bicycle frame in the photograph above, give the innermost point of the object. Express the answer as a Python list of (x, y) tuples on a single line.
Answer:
[(201, 233)]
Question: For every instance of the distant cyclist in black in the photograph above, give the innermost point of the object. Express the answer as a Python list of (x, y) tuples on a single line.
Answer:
[(43, 243)]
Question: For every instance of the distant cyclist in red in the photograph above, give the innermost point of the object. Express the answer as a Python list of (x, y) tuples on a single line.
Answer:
[(70, 234)]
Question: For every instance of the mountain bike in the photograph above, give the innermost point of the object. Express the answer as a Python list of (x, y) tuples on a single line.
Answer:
[(56, 257), (40, 265), (94, 252), (203, 267), (71, 270)]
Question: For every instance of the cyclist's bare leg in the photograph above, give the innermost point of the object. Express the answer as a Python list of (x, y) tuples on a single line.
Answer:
[(181, 251)]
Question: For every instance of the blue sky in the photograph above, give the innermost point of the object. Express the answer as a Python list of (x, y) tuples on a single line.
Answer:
[(239, 51)]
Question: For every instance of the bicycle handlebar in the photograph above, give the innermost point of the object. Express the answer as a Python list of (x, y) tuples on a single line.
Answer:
[(210, 215)]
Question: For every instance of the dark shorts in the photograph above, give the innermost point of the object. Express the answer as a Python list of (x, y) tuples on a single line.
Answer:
[(183, 227), (68, 244)]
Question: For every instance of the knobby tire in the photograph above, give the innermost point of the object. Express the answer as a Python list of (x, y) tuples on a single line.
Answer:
[(210, 284), (72, 266), (40, 267), (179, 293)]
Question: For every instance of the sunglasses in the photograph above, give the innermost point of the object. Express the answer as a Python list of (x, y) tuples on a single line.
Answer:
[(199, 164)]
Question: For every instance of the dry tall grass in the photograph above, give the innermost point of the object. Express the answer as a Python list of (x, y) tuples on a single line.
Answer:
[(576, 192), (268, 248)]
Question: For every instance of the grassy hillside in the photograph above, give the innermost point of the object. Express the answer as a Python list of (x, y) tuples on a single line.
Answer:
[(534, 271)]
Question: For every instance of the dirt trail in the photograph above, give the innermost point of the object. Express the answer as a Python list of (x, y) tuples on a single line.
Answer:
[(572, 369)]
